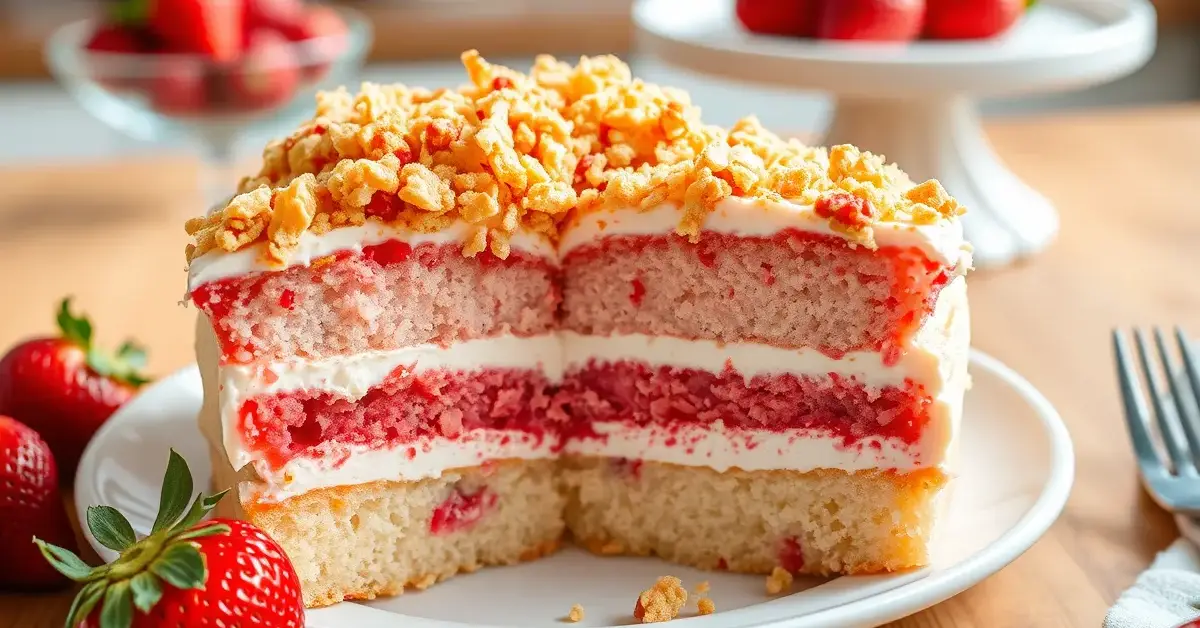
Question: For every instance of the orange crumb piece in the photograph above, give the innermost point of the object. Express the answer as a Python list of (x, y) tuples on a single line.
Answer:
[(662, 602), (576, 613), (706, 606), (779, 581), (703, 587)]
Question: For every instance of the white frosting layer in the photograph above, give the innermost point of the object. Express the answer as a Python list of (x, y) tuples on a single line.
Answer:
[(749, 359), (215, 265), (721, 449), (351, 377), (410, 462), (942, 242)]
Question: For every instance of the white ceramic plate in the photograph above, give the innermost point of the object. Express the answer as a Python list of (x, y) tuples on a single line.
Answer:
[(1015, 474)]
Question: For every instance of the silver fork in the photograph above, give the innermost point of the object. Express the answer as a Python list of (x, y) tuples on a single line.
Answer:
[(1172, 477)]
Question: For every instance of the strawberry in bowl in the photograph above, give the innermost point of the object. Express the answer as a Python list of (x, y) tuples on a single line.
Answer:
[(186, 572), (65, 387)]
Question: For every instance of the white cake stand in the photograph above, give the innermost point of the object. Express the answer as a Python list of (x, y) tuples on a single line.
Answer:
[(916, 103)]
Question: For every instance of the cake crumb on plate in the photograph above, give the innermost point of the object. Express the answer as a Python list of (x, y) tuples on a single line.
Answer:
[(706, 606), (779, 581), (576, 613), (662, 602), (703, 587)]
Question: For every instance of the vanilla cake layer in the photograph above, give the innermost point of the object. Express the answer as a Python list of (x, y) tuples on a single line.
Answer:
[(376, 539), (818, 522)]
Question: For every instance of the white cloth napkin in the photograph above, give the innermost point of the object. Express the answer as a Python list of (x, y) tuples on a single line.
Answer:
[(1168, 593)]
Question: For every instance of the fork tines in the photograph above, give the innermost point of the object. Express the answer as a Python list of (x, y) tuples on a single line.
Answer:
[(1174, 392)]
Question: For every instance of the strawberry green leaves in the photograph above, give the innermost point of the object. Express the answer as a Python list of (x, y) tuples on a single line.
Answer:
[(125, 365), (77, 329), (65, 561), (167, 556), (110, 527), (175, 493)]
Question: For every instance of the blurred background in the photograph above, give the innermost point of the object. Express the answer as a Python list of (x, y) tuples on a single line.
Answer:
[(418, 41)]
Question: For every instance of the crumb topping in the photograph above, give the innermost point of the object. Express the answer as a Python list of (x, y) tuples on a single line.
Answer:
[(576, 614), (703, 587), (511, 151), (706, 606), (662, 602), (779, 581)]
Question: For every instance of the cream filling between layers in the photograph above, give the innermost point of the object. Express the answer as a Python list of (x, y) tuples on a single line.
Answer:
[(941, 242), (216, 265), (937, 360)]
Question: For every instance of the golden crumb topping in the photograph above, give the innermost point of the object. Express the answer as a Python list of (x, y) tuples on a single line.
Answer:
[(779, 581), (662, 602), (512, 151), (703, 587), (706, 606), (576, 614)]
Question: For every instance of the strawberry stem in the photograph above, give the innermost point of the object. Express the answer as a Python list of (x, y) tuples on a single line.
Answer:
[(169, 555), (124, 365)]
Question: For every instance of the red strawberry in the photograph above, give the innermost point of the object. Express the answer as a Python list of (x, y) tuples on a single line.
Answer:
[(208, 27), (65, 388), (186, 573), (29, 504), (179, 86), (325, 32), (970, 19), (267, 74), (872, 20), (779, 17), (114, 38), (284, 16)]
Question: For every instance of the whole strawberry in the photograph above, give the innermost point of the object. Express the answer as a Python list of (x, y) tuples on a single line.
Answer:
[(65, 388), (29, 504), (186, 573)]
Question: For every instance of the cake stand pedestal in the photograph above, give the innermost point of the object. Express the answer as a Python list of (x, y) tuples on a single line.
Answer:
[(916, 103)]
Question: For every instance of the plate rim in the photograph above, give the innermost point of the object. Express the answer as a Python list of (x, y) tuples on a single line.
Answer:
[(894, 603)]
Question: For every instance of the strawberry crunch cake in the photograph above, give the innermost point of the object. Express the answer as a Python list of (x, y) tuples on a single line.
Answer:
[(446, 329)]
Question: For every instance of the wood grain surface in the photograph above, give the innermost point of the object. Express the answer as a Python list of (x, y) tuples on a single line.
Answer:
[(1126, 183)]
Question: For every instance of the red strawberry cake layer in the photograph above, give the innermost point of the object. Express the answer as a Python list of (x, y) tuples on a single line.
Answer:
[(441, 329)]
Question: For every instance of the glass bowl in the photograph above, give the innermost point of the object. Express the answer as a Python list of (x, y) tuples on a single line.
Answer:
[(208, 103)]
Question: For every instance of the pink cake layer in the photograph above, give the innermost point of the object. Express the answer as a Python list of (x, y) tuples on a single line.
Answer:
[(836, 406), (390, 296), (404, 408), (794, 289)]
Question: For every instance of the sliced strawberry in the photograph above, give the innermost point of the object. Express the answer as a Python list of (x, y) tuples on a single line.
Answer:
[(30, 504), (186, 572), (65, 388), (267, 74)]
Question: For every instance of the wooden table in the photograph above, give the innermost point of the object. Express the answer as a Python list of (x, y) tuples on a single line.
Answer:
[(1128, 186)]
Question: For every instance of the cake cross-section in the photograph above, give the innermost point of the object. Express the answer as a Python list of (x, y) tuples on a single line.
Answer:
[(446, 329)]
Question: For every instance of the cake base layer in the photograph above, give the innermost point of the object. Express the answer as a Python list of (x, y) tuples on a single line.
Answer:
[(820, 522), (370, 540)]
